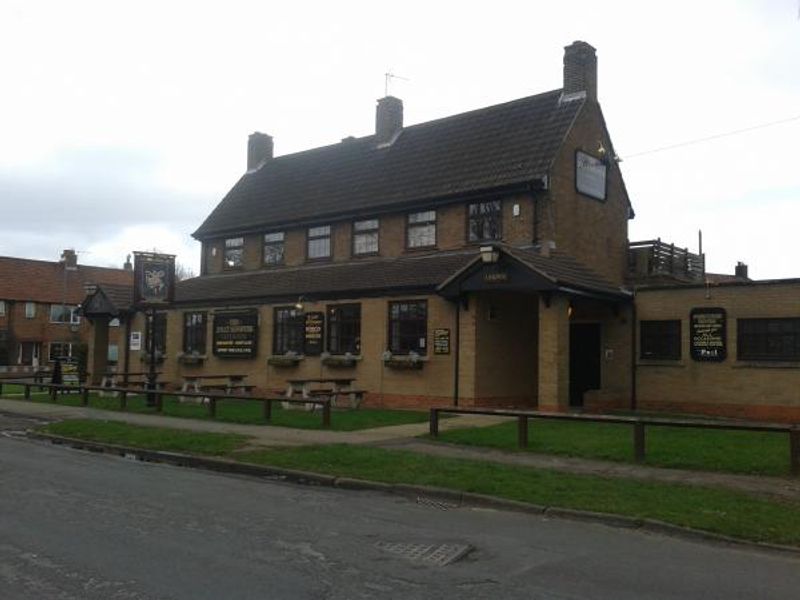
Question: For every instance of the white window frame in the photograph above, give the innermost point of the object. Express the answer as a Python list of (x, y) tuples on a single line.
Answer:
[(30, 310), (272, 241), (74, 318), (319, 234), (366, 237), (421, 220)]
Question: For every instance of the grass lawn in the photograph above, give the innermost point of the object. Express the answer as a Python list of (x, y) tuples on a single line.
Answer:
[(239, 411), (674, 447), (721, 511)]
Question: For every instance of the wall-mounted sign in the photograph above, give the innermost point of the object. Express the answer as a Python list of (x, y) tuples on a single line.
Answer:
[(154, 278), (495, 274), (236, 334), (590, 175), (707, 328), (136, 340), (314, 325), (441, 341)]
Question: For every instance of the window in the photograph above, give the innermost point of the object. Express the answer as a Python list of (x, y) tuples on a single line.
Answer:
[(484, 221), (288, 336), (344, 329), (319, 242), (114, 322), (408, 327), (234, 252), (365, 237), (273, 248), (60, 313), (60, 351), (194, 332), (421, 229), (113, 354), (159, 334), (2, 308), (660, 340), (768, 339), (30, 310)]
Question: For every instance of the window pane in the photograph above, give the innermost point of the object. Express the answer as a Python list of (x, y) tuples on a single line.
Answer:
[(324, 230), (768, 339), (484, 221), (273, 254), (408, 323), (366, 225), (422, 235), (234, 242), (660, 340), (344, 329), (273, 237), (422, 217), (366, 243), (319, 248)]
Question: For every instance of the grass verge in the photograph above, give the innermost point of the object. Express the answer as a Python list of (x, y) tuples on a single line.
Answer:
[(760, 453), (720, 511)]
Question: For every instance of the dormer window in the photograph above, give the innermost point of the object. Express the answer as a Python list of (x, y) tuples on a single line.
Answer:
[(234, 252), (365, 237), (274, 248), (485, 220), (319, 242)]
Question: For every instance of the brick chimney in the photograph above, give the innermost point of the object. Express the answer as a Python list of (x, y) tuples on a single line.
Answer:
[(128, 266), (70, 259), (741, 270), (388, 119), (259, 150), (580, 70)]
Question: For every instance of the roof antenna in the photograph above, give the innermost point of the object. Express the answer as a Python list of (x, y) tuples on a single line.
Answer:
[(388, 76)]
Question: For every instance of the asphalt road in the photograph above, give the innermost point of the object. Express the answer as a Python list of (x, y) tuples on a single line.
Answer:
[(76, 525)]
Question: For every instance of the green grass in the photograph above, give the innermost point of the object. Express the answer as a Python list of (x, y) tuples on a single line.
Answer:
[(150, 438), (247, 412), (674, 447)]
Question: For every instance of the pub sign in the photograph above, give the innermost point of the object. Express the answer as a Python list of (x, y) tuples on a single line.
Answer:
[(590, 175), (235, 334), (708, 336), (154, 278)]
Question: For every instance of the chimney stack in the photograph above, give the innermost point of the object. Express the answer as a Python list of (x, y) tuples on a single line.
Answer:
[(580, 70), (741, 270), (388, 119), (70, 259), (128, 266), (259, 150)]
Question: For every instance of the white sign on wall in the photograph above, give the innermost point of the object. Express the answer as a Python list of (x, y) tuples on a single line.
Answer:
[(590, 175), (136, 340)]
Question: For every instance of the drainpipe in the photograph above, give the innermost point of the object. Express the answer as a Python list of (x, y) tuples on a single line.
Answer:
[(127, 347), (457, 351), (633, 351)]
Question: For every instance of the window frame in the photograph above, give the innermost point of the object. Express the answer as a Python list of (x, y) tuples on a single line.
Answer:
[(271, 244), (745, 353), (278, 325), (2, 308), (160, 323), (353, 348), (193, 331), (376, 231), (229, 248), (30, 310), (51, 358), (499, 214), (672, 341), (310, 238), (420, 224), (390, 341), (74, 319)]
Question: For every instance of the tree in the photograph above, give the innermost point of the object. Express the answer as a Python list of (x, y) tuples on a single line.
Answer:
[(183, 272)]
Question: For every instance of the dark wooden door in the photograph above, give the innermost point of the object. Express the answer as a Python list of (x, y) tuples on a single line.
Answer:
[(584, 360), (26, 354)]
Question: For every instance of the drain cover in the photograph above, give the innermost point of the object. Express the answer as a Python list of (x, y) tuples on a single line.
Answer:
[(437, 555)]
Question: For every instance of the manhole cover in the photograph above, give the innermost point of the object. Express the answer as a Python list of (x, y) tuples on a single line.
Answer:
[(438, 555)]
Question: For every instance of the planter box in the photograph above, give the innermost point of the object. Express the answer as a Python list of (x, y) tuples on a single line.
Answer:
[(403, 363), (191, 359), (284, 361), (341, 362)]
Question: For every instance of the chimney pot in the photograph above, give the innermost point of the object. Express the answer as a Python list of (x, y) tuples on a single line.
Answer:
[(259, 150), (580, 69), (388, 119), (741, 270), (70, 259)]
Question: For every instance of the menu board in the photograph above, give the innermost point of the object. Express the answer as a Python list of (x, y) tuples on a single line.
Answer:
[(708, 334), (314, 325), (236, 334), (441, 341)]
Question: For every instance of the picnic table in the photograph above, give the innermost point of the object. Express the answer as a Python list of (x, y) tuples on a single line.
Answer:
[(339, 386), (230, 383)]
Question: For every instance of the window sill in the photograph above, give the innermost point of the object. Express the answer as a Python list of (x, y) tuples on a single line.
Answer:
[(191, 359), (661, 363), (281, 360), (340, 361), (405, 362), (766, 364)]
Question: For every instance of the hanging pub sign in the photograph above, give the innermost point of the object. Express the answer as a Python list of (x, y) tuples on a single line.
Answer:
[(441, 341), (154, 278), (590, 175), (314, 324), (707, 328), (235, 334)]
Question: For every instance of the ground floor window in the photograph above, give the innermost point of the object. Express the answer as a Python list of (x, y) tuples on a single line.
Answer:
[(194, 333), (159, 334), (768, 339), (113, 354), (60, 351), (660, 340), (288, 327), (344, 329), (408, 327)]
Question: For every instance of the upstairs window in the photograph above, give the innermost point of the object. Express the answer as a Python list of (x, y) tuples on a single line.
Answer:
[(421, 231), (660, 340), (365, 237), (60, 313), (344, 329), (194, 333), (485, 219), (274, 248), (234, 252), (288, 331), (30, 310), (768, 339), (319, 242), (408, 327)]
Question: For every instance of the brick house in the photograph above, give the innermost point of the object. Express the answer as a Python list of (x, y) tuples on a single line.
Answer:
[(39, 316), (478, 259)]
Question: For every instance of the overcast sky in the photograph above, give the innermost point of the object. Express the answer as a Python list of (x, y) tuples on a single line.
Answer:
[(122, 124)]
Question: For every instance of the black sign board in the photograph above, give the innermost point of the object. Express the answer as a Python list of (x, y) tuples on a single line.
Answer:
[(314, 325), (236, 334), (441, 341), (707, 328), (154, 278)]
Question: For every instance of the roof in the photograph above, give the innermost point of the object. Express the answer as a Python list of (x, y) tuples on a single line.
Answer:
[(108, 299), (43, 281), (494, 147), (378, 276)]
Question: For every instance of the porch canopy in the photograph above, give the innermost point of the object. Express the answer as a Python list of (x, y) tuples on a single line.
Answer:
[(102, 304)]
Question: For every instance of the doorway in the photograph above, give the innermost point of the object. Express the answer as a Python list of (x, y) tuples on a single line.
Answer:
[(584, 361), (29, 353)]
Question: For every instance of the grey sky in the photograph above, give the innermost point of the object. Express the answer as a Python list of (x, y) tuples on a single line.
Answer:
[(123, 123)]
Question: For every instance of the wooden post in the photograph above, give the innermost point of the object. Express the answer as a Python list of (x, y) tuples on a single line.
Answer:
[(522, 431), (434, 422), (1, 388), (212, 406), (53, 393), (159, 402), (794, 450), (27, 391), (326, 415), (85, 396), (267, 409), (123, 400), (638, 441)]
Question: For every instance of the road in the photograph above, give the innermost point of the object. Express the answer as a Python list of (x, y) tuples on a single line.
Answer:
[(76, 525)]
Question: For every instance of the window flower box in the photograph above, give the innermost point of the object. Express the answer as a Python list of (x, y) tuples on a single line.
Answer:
[(339, 361), (403, 361), (191, 358), (290, 359)]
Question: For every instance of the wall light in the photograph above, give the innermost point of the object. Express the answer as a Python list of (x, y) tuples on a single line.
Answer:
[(299, 304), (489, 254)]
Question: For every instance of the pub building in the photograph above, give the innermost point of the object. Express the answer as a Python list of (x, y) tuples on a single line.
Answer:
[(481, 260)]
